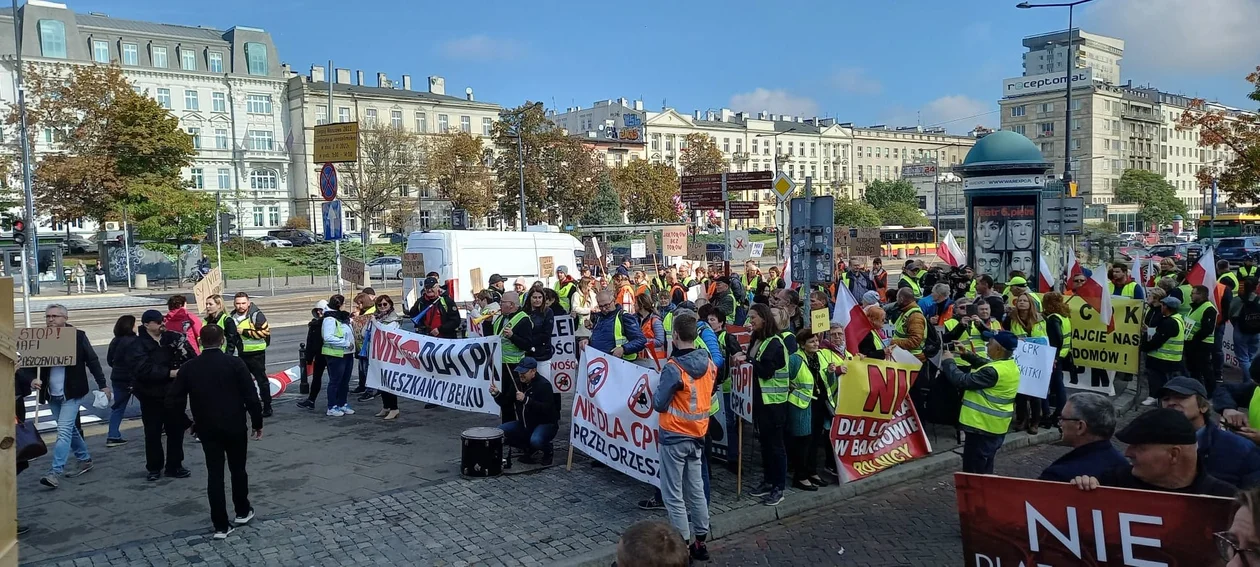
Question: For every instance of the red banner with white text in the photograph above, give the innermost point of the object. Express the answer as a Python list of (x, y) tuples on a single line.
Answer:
[(876, 425)]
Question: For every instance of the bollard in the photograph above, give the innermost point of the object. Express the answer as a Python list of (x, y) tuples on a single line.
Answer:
[(286, 278), (305, 385), (271, 281), (312, 277), (260, 280)]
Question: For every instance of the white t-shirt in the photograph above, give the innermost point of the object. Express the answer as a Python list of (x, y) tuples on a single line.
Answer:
[(57, 381)]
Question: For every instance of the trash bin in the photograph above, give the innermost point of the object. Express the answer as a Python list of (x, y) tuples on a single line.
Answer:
[(142, 281), (901, 254)]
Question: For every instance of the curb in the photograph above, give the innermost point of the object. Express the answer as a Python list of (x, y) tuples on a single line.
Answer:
[(796, 503)]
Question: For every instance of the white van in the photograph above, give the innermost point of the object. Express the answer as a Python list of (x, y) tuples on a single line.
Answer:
[(454, 254)]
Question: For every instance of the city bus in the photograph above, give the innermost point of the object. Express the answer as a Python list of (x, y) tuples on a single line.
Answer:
[(1229, 225), (916, 241)]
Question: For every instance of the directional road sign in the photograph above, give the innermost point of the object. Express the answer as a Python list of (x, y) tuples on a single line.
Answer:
[(328, 181), (332, 220)]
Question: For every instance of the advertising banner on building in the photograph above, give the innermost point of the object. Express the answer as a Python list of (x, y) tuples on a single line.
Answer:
[(612, 419), (1096, 346), (1005, 238), (876, 425), (1014, 521), (1046, 83), (453, 373)]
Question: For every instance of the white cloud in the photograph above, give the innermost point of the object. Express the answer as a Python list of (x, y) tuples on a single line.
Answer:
[(777, 101), (481, 47), (854, 80), (958, 114), (1181, 35)]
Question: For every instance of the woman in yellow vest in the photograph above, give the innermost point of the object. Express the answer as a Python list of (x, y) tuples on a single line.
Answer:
[(1025, 322), (1059, 331), (812, 395), (769, 358), (338, 351)]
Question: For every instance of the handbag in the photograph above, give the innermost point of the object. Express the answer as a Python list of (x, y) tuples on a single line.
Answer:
[(30, 445)]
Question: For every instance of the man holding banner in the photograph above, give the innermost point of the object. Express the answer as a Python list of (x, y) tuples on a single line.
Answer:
[(538, 415), (988, 398)]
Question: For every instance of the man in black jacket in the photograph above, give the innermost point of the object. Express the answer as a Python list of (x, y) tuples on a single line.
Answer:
[(221, 391), (538, 415), (63, 389), (312, 356), (156, 357), (433, 313)]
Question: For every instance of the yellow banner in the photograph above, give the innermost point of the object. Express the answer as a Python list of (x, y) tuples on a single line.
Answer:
[(1093, 346)]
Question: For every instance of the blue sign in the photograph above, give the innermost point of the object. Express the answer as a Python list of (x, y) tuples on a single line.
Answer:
[(328, 182), (332, 220)]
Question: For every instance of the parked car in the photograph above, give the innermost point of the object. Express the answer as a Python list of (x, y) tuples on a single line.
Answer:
[(1235, 249), (392, 238), (1181, 254), (294, 236), (385, 268), (76, 244), (755, 230), (273, 242)]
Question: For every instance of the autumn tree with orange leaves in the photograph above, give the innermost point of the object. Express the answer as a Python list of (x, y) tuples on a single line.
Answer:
[(1237, 136)]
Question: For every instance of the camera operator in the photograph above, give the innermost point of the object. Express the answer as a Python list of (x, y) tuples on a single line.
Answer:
[(961, 281)]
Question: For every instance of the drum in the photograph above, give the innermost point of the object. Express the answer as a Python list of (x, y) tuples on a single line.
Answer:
[(482, 454)]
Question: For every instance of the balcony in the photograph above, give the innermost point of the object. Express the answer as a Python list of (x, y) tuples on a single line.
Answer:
[(1044, 134), (1141, 116), (740, 156)]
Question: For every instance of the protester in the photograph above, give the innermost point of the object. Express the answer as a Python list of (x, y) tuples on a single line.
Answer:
[(1222, 454), (338, 349), (789, 301), (1244, 313), (120, 377), (384, 317), (988, 398), (313, 355), (220, 391), (1121, 285), (255, 336), (872, 345), (1162, 449), (652, 543), (566, 288), (936, 306), (178, 319), (910, 275), (517, 330), (769, 358), (64, 388), (543, 320), (910, 330), (156, 357), (880, 276), (217, 315), (434, 314), (361, 312), (583, 305), (616, 332), (654, 333), (1025, 322), (538, 416), (817, 370), (1088, 421), (724, 299), (1059, 330), (1165, 348), (496, 287)]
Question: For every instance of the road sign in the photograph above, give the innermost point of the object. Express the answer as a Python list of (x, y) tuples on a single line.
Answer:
[(332, 220), (743, 209), (784, 186), (1072, 213), (706, 190), (328, 181), (337, 142), (812, 223)]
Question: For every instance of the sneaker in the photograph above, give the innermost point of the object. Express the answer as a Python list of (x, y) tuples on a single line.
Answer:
[(305, 404), (527, 458), (50, 480), (242, 520), (804, 485), (153, 476), (1149, 402), (111, 443), (762, 490), (334, 412), (179, 473), (546, 460), (266, 412), (699, 551), (346, 410), (359, 390), (84, 467), (367, 396), (774, 498), (651, 504), (222, 534)]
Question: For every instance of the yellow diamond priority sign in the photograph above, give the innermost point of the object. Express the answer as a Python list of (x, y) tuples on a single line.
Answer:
[(783, 185)]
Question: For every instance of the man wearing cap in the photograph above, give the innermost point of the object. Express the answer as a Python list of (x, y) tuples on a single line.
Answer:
[(565, 288), (1200, 321), (1018, 286), (433, 313), (1222, 453), (538, 416), (910, 275), (1088, 421), (910, 329), (155, 357), (1164, 349), (1162, 449), (496, 287), (724, 300), (517, 330), (988, 398), (313, 356)]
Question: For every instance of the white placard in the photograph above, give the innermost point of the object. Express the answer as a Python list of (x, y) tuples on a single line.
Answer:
[(741, 247), (453, 373), (612, 418), (562, 368), (1035, 362)]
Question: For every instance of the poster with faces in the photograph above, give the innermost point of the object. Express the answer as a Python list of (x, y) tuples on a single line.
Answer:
[(1005, 236)]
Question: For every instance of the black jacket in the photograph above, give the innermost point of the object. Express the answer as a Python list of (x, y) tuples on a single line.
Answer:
[(314, 339), (522, 333), (232, 343), (1167, 329), (447, 315), (539, 407), (119, 373), (152, 362), (76, 385), (544, 321), (220, 391)]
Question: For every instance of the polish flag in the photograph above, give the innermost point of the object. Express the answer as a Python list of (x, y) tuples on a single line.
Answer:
[(1046, 277), (1204, 273), (1095, 292), (787, 273), (848, 313), (1136, 271), (950, 252), (1074, 267)]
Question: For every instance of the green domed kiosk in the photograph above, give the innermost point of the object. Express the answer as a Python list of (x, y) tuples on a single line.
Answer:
[(1003, 177)]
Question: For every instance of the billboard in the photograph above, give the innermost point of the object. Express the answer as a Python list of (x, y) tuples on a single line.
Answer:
[(1044, 83)]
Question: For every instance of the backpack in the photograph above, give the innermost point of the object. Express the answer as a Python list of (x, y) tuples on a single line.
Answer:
[(1248, 321)]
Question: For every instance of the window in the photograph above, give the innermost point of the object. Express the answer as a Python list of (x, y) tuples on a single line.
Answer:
[(258, 104), (1076, 144), (260, 140), (273, 215), (371, 116), (130, 54), (225, 178), (256, 55), (656, 141), (1076, 123), (218, 102), (1019, 129), (395, 119), (1019, 110), (422, 122), (190, 100), (1047, 107), (443, 123), (52, 38), (1076, 105), (187, 59), (100, 51), (159, 57), (48, 135), (216, 62), (343, 114), (791, 149), (321, 114), (739, 145), (1047, 148), (465, 124), (487, 126), (262, 179), (258, 216), (164, 98), (726, 145), (424, 220), (1047, 127), (220, 139), (1106, 144), (813, 150), (198, 177), (196, 137)]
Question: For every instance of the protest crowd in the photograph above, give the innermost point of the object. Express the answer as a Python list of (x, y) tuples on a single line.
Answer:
[(700, 354)]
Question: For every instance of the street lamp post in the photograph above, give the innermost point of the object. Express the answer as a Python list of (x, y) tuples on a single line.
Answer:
[(778, 207)]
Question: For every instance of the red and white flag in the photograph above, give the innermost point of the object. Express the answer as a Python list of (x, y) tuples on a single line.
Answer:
[(1136, 271), (1045, 277), (1073, 267), (1204, 273), (950, 252), (1097, 294), (848, 313)]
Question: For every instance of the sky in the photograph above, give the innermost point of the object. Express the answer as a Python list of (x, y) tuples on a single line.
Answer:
[(895, 62)]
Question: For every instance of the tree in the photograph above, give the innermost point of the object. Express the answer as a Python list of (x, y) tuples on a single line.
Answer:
[(607, 206), (700, 155), (1237, 136), (647, 191), (902, 214), (396, 219), (880, 194), (855, 213), (560, 172), (1155, 197), (455, 165), (297, 223), (389, 159)]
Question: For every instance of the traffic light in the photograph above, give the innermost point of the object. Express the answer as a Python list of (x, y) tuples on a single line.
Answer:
[(19, 231), (226, 226)]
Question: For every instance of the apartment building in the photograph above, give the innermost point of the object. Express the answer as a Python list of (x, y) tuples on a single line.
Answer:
[(880, 151), (1048, 53)]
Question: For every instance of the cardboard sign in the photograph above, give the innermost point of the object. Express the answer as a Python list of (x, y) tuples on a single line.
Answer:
[(696, 250), (650, 241), (638, 249), (840, 238), (474, 279), (546, 266), (819, 321), (212, 284), (674, 241), (413, 265), (46, 347), (352, 270), (867, 242)]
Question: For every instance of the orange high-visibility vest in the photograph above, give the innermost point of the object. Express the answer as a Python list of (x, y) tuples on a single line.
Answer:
[(688, 412), (650, 335)]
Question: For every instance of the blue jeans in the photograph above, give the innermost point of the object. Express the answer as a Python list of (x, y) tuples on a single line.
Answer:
[(122, 395), (1246, 347), (339, 370), (65, 411), (533, 439), (682, 487)]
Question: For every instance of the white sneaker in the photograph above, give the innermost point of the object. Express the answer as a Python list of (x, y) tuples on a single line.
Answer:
[(346, 410), (335, 412), (1149, 402), (224, 534), (242, 520)]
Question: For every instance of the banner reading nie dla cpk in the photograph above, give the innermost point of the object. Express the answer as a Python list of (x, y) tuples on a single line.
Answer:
[(876, 425), (613, 420), (1093, 346), (453, 373)]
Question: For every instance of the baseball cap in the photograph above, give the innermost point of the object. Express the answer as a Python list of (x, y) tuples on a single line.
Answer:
[(496, 278), (520, 281), (322, 305), (430, 282), (1017, 281), (1161, 426), (723, 280), (909, 264), (526, 364), (151, 316), (1185, 386), (1007, 339), (1171, 302)]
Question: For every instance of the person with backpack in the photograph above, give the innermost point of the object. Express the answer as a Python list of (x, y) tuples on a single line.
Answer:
[(1244, 313)]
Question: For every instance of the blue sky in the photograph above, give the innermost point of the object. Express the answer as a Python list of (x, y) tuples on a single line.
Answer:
[(935, 62)]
